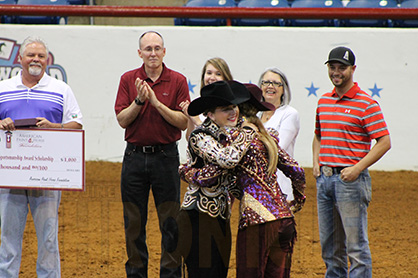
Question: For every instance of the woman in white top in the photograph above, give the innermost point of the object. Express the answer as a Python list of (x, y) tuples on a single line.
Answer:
[(285, 119)]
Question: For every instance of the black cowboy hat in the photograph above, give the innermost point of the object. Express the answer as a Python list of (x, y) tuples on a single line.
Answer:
[(219, 93), (257, 99)]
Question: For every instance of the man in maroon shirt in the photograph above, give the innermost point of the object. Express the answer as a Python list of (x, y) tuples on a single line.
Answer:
[(147, 107)]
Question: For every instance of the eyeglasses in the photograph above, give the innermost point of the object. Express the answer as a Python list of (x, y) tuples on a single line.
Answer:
[(150, 49), (273, 83)]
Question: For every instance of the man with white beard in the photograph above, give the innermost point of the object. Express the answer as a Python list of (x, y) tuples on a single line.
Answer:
[(33, 94)]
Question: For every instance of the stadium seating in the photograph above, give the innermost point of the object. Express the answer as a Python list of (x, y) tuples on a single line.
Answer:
[(29, 19), (408, 22), (205, 21), (316, 4), (7, 18), (78, 2), (261, 4), (370, 4)]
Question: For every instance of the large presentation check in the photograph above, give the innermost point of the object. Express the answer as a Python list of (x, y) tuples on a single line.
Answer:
[(42, 159)]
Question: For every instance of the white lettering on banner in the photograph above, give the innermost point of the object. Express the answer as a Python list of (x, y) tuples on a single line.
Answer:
[(5, 73), (9, 72)]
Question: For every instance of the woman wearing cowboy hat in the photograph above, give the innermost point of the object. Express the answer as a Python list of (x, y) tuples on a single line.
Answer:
[(204, 228), (267, 228)]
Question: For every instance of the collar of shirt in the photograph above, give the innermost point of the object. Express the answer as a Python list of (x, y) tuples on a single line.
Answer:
[(42, 82), (165, 75), (350, 93)]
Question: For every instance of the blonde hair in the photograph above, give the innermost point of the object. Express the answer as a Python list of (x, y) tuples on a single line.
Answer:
[(220, 65), (250, 113)]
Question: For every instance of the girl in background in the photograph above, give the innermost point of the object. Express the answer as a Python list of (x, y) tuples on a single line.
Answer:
[(215, 69)]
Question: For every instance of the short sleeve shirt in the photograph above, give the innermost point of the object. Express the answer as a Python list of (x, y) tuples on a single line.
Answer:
[(50, 98), (347, 125), (149, 127)]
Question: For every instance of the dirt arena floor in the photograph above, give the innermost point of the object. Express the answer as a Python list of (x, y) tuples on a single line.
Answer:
[(92, 239)]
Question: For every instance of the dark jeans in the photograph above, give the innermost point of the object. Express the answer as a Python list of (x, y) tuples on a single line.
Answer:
[(205, 244), (265, 250), (140, 173)]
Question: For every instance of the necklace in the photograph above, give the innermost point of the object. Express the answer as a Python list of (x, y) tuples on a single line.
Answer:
[(266, 116)]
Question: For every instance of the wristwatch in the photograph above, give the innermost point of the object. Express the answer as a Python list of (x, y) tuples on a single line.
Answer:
[(138, 102)]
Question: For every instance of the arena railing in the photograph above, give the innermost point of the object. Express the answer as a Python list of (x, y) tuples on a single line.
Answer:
[(206, 12)]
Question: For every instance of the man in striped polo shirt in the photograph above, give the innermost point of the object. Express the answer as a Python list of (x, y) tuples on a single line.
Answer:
[(33, 94), (347, 120)]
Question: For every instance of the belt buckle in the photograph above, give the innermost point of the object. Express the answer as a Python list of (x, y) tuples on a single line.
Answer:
[(148, 149), (327, 171)]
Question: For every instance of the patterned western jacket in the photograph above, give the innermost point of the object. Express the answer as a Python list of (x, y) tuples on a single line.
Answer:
[(207, 146), (261, 197)]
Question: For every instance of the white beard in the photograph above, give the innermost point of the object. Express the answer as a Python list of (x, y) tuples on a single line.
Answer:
[(34, 70)]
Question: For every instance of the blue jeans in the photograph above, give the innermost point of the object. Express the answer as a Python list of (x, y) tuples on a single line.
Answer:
[(342, 218), (142, 172), (14, 210)]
